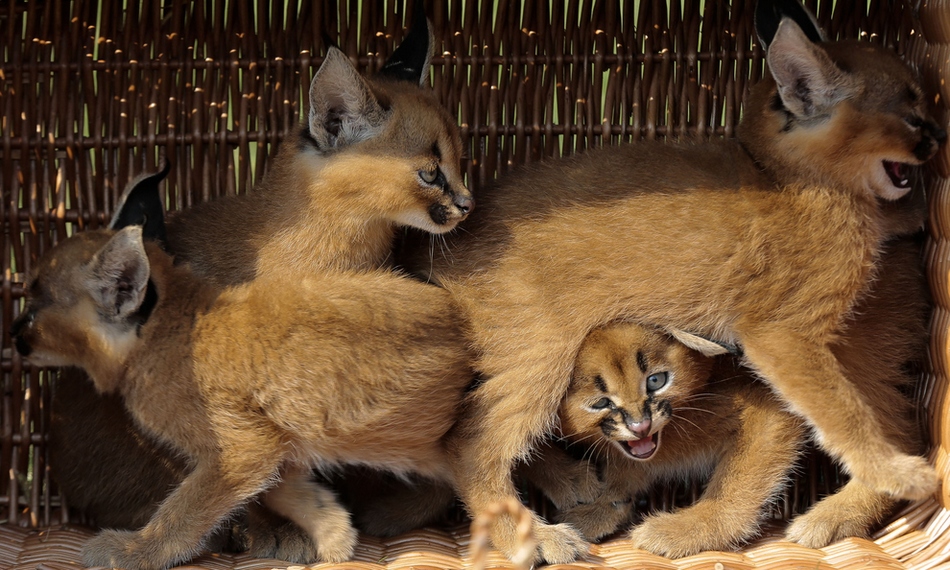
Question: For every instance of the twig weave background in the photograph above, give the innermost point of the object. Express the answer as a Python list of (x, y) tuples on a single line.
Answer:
[(91, 94)]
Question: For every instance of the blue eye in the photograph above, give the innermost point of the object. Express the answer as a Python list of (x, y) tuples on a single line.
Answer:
[(657, 381), (601, 404), (430, 176)]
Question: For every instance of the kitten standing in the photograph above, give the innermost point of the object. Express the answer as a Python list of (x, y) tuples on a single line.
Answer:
[(766, 241), (254, 392), (375, 153)]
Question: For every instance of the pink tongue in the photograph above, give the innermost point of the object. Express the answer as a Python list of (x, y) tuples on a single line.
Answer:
[(897, 173), (641, 446)]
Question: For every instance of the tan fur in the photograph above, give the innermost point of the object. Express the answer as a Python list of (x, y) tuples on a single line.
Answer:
[(251, 390), (727, 426), (325, 203), (334, 208), (884, 343), (595, 495), (734, 240)]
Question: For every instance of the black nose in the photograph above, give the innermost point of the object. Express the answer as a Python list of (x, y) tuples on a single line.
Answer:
[(21, 323), (939, 134)]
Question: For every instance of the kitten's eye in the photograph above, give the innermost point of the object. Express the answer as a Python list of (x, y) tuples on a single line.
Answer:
[(429, 176), (601, 404), (657, 381)]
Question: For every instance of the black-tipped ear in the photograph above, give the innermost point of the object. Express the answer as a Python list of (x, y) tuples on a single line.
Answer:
[(410, 60), (769, 13), (141, 205)]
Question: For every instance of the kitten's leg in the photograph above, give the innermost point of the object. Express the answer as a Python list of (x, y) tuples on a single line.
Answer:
[(315, 509), (813, 384), (501, 419), (176, 531), (384, 506), (849, 512), (564, 480), (753, 469)]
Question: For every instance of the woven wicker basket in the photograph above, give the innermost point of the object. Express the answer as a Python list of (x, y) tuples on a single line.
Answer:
[(91, 93)]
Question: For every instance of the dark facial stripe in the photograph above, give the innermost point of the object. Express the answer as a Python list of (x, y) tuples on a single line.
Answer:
[(599, 382), (642, 362), (436, 151)]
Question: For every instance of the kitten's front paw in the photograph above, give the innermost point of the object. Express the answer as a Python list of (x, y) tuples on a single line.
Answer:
[(283, 541), (555, 544), (599, 518), (120, 549), (559, 544), (675, 536), (903, 477), (337, 542)]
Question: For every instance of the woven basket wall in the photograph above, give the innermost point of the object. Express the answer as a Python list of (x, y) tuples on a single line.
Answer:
[(91, 94)]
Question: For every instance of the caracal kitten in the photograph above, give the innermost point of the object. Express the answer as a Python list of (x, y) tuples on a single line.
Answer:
[(642, 408), (253, 389), (375, 153), (765, 241)]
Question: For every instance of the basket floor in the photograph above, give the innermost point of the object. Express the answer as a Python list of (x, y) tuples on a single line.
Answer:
[(58, 548)]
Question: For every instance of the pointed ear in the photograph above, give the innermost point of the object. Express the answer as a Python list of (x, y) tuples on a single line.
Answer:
[(769, 14), (141, 205), (118, 274), (702, 345), (808, 81), (343, 109), (410, 61)]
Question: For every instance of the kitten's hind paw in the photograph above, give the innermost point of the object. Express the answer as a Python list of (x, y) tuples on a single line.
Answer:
[(903, 477), (818, 530)]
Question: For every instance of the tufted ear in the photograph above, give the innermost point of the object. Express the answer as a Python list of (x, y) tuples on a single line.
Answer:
[(117, 275), (410, 60), (808, 81), (141, 205), (703, 345), (343, 108), (770, 13)]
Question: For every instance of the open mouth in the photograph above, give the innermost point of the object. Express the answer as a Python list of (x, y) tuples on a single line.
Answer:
[(898, 172), (643, 449)]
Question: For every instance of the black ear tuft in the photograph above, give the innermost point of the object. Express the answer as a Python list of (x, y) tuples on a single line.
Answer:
[(141, 205), (768, 14), (410, 60)]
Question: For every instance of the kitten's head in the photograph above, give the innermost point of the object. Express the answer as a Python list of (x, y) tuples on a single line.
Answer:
[(628, 382), (393, 135), (844, 114)]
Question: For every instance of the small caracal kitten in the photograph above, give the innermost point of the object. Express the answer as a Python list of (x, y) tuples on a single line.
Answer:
[(376, 153), (254, 384), (765, 242), (641, 409)]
